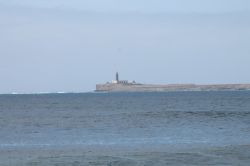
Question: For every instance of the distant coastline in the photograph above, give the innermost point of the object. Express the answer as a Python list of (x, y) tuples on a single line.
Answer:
[(111, 87), (126, 86)]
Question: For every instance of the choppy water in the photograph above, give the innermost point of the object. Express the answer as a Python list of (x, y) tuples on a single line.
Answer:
[(211, 118)]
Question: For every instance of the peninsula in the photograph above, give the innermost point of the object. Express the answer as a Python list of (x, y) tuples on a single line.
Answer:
[(126, 86)]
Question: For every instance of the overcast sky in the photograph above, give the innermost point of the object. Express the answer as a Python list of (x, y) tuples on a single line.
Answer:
[(59, 45)]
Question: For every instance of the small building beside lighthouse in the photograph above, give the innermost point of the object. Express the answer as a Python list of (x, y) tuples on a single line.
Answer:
[(117, 81)]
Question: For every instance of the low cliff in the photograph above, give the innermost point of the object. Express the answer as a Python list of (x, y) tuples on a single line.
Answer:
[(109, 87)]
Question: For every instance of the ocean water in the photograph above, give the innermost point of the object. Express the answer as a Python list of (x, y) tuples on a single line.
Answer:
[(173, 118)]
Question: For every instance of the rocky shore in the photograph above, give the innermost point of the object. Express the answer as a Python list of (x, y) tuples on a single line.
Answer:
[(119, 87)]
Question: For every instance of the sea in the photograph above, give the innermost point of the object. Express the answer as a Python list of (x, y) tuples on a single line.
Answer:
[(146, 119)]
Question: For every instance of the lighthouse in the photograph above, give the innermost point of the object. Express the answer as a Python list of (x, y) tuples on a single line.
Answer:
[(118, 81), (117, 77)]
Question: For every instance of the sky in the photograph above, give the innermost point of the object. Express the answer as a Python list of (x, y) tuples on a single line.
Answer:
[(69, 46)]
